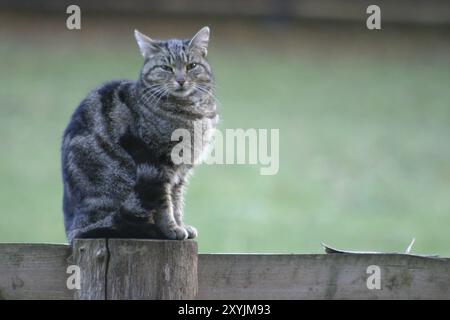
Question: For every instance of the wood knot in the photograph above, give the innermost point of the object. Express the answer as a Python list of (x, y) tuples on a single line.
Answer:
[(100, 254), (17, 282)]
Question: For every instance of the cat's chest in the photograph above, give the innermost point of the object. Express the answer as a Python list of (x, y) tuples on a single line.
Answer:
[(162, 135), (170, 117)]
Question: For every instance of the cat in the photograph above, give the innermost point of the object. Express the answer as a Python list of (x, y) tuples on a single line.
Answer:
[(118, 176)]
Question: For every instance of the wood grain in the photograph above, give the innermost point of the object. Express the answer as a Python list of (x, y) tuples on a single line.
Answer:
[(149, 269), (92, 258), (34, 271), (152, 269), (332, 276)]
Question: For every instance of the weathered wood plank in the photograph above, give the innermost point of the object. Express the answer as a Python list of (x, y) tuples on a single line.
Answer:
[(34, 271), (333, 276), (38, 271), (152, 269), (91, 256)]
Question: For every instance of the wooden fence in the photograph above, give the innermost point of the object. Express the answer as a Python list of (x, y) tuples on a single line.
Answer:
[(150, 269), (409, 11)]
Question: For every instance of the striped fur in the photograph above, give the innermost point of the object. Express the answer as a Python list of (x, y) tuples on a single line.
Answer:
[(119, 180)]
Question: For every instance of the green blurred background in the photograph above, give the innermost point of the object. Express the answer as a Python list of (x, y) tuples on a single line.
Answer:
[(364, 120)]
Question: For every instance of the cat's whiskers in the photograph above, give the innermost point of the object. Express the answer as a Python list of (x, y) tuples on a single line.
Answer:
[(153, 94), (207, 91), (148, 88), (146, 92), (162, 92)]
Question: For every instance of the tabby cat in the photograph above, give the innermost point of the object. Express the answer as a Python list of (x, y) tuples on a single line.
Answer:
[(118, 174)]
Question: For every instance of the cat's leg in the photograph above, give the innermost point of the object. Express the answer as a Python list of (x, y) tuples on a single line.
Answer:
[(153, 188), (165, 217), (178, 208)]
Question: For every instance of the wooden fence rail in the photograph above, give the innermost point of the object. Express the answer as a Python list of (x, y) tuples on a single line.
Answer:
[(149, 269), (410, 11)]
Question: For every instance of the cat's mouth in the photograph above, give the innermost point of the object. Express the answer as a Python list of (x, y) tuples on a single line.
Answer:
[(182, 91)]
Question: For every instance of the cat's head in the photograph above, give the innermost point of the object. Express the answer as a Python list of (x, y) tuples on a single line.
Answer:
[(176, 67)]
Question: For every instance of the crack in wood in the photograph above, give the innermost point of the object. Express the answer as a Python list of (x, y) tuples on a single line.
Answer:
[(107, 258)]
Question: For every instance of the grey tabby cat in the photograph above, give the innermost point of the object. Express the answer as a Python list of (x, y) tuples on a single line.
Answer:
[(118, 174)]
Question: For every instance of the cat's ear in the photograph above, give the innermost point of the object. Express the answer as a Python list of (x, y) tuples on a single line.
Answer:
[(147, 46), (200, 41)]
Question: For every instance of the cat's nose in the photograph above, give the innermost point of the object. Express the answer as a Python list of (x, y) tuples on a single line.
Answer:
[(181, 81)]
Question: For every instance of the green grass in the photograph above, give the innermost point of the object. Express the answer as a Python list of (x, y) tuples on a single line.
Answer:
[(364, 148)]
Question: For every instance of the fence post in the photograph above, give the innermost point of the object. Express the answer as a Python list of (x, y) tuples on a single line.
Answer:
[(136, 269)]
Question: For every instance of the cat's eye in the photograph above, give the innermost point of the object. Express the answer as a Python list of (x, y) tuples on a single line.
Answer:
[(191, 66), (167, 68)]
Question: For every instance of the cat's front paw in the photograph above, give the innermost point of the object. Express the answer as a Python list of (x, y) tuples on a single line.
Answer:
[(175, 233), (192, 232)]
